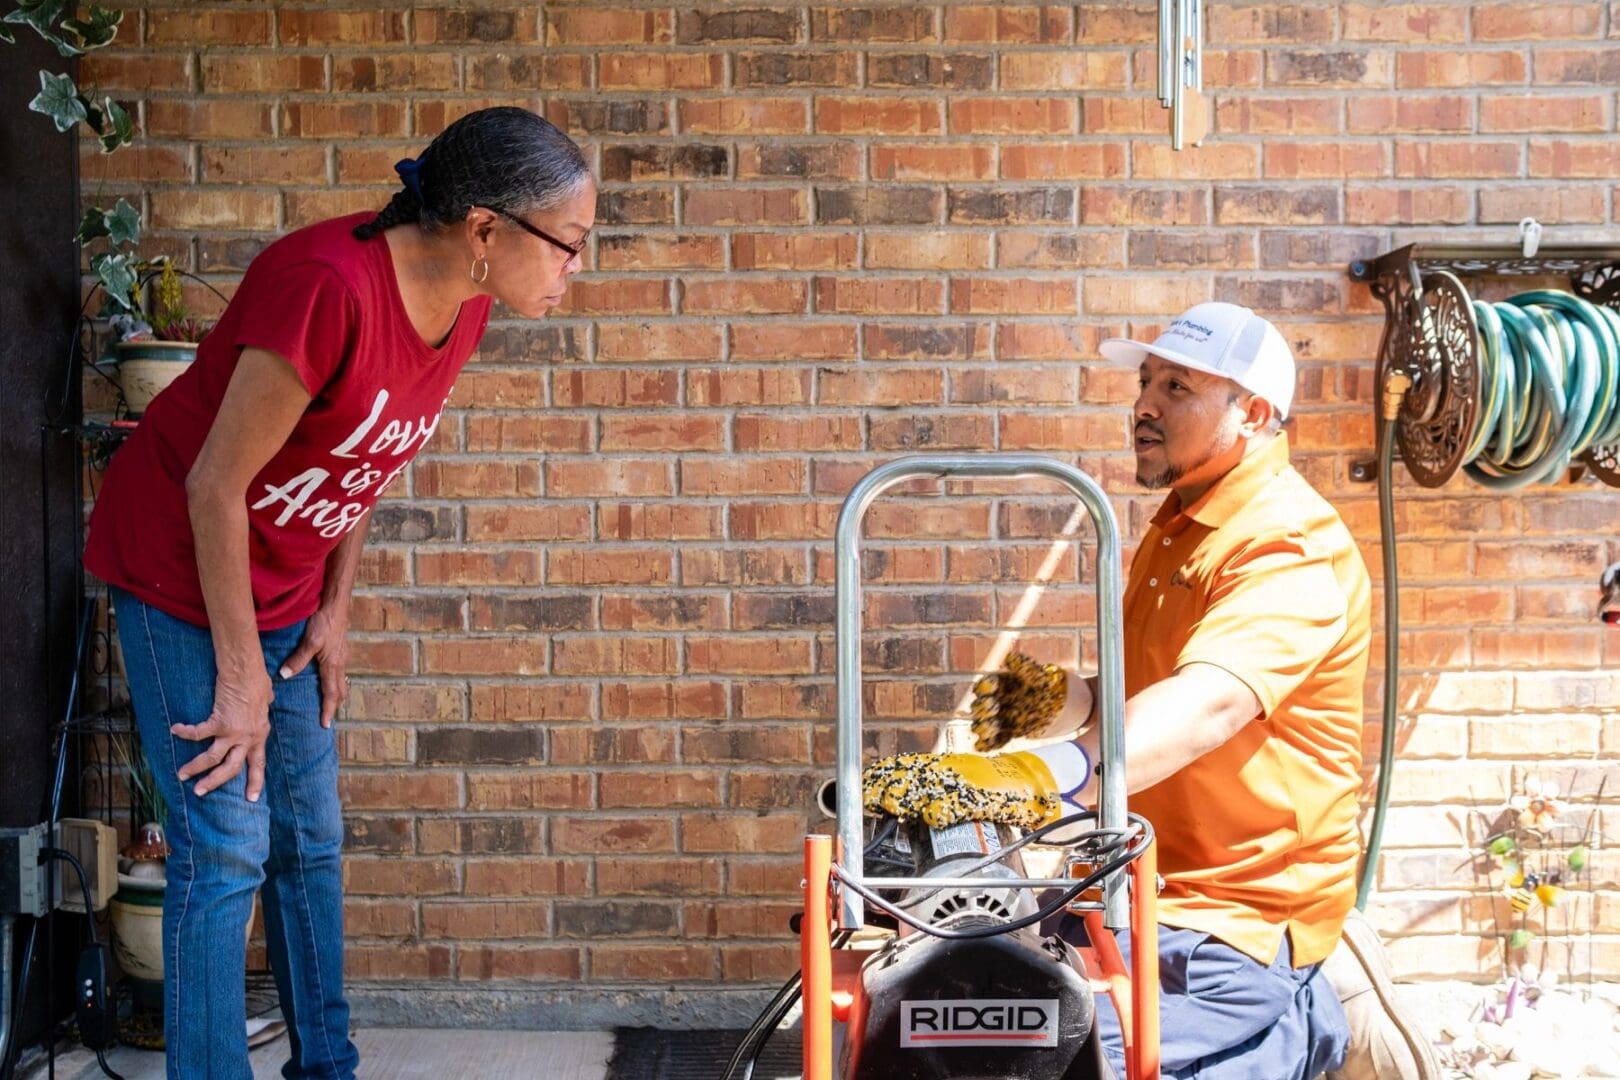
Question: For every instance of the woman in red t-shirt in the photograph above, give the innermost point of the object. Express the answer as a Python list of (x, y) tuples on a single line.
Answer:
[(230, 525)]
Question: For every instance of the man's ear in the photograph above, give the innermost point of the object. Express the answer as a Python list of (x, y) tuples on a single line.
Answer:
[(1257, 416)]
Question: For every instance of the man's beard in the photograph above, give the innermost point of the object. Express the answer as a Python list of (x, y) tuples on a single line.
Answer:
[(1167, 475)]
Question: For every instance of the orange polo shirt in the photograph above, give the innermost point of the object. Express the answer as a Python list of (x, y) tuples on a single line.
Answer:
[(1258, 577)]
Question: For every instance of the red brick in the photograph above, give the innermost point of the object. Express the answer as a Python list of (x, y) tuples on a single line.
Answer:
[(881, 388), (1563, 113), (1013, 296), (741, 476), (513, 523), (1549, 204), (526, 877), (793, 341), (526, 962), (1075, 71), (787, 251), (660, 252), (202, 208), (1408, 113), (608, 566), (660, 789), (934, 161), (876, 116), (494, 702), (406, 71), (208, 119), (1598, 159), (616, 296), (451, 26), (616, 655), (323, 27), (1069, 161), (608, 26), (1152, 160), (116, 71), (1536, 22), (1326, 160), (317, 120), (634, 477), (639, 342), (603, 835), (1012, 116), (659, 521), (1404, 24), (192, 27), (1426, 70), (1270, 23), (1313, 68), (743, 116), (1407, 205), (735, 295), (927, 251), (878, 295), (1253, 114), (1447, 160), (615, 389), (676, 432), (742, 206), (747, 386), (1042, 25), (659, 71)]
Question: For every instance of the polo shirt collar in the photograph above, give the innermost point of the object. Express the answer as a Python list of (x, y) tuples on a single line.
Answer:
[(1230, 493)]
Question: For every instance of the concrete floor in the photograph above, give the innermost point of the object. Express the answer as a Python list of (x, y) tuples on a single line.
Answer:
[(401, 1054)]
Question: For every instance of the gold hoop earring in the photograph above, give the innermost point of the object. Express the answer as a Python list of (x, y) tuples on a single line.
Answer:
[(479, 271)]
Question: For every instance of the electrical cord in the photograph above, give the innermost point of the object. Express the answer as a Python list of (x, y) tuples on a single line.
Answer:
[(770, 1018), (1143, 838), (90, 918)]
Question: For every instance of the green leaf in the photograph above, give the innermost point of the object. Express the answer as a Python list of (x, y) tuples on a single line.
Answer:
[(1519, 939), (59, 99), (98, 30), (39, 14), (93, 117), (1502, 845), (7, 36), (117, 274), (1577, 858), (121, 130), (124, 223), (92, 226)]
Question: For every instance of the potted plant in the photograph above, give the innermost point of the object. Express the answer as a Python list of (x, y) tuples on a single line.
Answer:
[(153, 355), (137, 908)]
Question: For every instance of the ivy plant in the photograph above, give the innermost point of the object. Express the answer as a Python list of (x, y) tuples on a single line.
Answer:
[(119, 267)]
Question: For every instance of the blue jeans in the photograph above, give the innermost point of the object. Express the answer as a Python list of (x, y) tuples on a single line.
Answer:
[(223, 848), (1225, 1016)]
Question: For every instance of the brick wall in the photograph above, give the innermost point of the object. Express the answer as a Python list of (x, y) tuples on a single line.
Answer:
[(593, 643)]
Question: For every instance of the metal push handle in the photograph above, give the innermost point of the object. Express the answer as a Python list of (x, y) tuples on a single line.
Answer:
[(1110, 654)]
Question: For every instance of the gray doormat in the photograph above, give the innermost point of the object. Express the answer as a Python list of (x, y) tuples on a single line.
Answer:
[(651, 1054)]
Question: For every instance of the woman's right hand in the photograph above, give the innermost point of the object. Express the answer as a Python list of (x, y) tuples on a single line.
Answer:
[(239, 726)]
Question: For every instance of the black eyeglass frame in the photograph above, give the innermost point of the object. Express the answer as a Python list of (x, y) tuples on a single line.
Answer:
[(573, 250)]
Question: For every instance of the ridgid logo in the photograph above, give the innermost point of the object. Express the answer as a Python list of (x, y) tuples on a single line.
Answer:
[(982, 1022)]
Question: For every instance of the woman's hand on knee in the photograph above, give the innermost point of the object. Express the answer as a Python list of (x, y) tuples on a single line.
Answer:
[(326, 641), (238, 726)]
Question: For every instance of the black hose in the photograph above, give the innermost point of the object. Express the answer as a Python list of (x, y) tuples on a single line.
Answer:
[(1392, 660)]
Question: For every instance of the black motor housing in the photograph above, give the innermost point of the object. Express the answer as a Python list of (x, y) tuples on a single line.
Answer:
[(1018, 992)]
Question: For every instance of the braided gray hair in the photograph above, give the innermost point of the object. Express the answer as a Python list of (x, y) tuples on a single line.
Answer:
[(503, 157)]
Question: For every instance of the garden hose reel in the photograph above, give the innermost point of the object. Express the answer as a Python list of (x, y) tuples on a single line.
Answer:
[(1432, 335)]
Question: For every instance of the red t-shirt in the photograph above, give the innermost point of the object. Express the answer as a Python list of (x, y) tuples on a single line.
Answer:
[(330, 305)]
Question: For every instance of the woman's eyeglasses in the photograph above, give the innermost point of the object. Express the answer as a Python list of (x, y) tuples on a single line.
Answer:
[(572, 249)]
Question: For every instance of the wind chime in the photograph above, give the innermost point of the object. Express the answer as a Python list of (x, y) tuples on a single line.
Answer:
[(1181, 70)]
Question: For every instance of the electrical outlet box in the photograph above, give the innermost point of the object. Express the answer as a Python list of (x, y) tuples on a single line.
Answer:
[(95, 845), (23, 880)]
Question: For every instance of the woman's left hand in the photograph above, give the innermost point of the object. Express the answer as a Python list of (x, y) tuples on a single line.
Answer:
[(326, 641)]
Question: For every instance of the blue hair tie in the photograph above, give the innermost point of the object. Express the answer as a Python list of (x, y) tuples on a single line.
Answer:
[(410, 172)]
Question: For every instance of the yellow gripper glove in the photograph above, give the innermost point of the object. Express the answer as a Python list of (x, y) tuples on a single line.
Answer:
[(946, 789), (1017, 702)]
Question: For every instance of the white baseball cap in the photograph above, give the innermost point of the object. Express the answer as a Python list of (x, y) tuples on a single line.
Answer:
[(1221, 339)]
